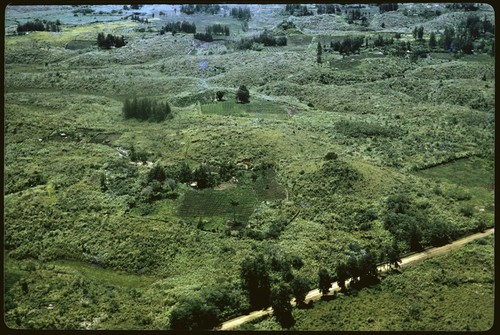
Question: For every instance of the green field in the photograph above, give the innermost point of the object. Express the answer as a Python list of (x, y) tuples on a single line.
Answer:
[(117, 219)]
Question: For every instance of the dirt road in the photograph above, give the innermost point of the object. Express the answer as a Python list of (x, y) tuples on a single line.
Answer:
[(316, 294)]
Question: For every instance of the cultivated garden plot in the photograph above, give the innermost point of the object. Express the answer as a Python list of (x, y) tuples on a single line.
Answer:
[(177, 166)]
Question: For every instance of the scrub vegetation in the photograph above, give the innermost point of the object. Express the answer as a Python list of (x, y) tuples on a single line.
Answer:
[(158, 179)]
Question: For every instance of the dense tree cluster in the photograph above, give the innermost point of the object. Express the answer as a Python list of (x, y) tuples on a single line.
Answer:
[(410, 224), (466, 6), (264, 38), (217, 29), (179, 26), (380, 41), (463, 36), (271, 280), (387, 7), (418, 33), (84, 10), (136, 17), (298, 10), (328, 9), (206, 37), (213, 305), (200, 8), (353, 15), (161, 181), (146, 109), (38, 25), (108, 41), (361, 269), (240, 13), (348, 45)]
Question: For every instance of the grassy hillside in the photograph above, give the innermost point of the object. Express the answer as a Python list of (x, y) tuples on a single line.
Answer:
[(96, 239)]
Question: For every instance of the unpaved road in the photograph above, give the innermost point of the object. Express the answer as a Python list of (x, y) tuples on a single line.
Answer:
[(316, 295)]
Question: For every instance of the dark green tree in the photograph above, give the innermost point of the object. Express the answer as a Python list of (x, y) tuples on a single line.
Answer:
[(367, 265), (219, 95), (300, 287), (185, 173), (203, 177), (342, 275), (156, 173), (415, 237), (394, 255), (432, 40), (353, 269), (280, 302), (420, 33), (319, 53), (324, 281), (255, 280), (194, 314), (447, 38), (101, 40), (243, 95)]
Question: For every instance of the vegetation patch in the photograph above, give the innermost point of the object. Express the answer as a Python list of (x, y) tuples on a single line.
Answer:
[(258, 108)]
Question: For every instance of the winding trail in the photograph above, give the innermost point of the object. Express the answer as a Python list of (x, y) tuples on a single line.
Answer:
[(316, 294)]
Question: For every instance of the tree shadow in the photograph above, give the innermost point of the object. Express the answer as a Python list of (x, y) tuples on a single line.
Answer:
[(327, 297), (303, 305)]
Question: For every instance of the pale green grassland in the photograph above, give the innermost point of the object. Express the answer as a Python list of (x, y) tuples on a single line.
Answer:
[(80, 256)]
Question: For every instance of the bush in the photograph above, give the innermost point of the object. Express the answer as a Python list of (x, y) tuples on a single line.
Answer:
[(331, 155)]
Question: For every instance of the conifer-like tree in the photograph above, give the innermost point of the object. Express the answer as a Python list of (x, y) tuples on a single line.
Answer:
[(319, 53), (432, 40)]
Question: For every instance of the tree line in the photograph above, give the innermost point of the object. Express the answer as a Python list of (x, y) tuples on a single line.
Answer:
[(206, 37), (328, 9), (179, 26), (264, 38), (108, 41), (242, 14), (463, 36), (146, 109), (217, 29), (136, 17), (297, 10), (348, 45), (387, 7), (38, 25), (200, 8)]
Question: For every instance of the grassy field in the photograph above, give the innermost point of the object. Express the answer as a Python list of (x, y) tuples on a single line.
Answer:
[(93, 243)]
